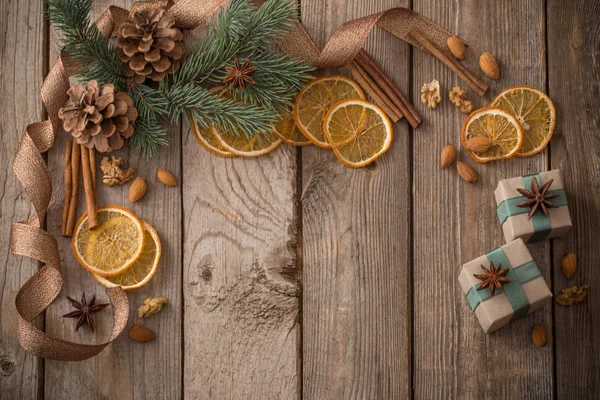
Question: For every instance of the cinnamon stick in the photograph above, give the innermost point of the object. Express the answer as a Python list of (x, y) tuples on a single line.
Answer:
[(67, 179), (468, 73), (75, 161), (388, 87), (371, 88), (93, 169), (475, 84), (90, 200)]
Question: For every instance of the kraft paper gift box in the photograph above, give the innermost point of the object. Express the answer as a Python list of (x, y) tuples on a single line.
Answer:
[(514, 220), (526, 293)]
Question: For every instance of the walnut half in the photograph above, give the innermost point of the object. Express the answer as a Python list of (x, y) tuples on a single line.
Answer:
[(113, 174), (430, 94), (459, 99), (151, 306)]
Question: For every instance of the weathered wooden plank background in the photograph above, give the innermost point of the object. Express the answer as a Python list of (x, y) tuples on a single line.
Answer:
[(290, 276)]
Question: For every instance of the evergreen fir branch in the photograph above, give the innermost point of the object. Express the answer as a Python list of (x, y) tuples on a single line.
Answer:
[(83, 41), (208, 109), (148, 136), (149, 102), (278, 78), (269, 23)]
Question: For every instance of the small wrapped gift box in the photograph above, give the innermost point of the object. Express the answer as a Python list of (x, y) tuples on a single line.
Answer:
[(516, 198), (525, 293)]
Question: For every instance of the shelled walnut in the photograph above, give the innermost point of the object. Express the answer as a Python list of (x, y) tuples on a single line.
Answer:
[(151, 306), (458, 97), (113, 174), (430, 94), (572, 295)]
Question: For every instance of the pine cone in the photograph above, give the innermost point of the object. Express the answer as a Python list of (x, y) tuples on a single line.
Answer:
[(98, 117), (150, 45)]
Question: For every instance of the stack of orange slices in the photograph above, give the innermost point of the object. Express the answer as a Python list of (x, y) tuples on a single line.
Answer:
[(121, 251), (519, 122), (331, 112)]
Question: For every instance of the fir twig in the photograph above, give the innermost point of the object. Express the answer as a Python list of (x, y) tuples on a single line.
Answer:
[(83, 41), (250, 34)]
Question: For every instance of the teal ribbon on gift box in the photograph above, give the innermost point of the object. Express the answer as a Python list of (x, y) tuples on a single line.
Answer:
[(514, 291), (541, 223)]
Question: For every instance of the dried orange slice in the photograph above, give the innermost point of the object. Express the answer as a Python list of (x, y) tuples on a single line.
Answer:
[(143, 269), (536, 113), (358, 131), (501, 127), (240, 145), (287, 130), (313, 103), (208, 140), (113, 246)]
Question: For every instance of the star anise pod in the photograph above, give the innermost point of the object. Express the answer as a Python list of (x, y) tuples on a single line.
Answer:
[(537, 199), (239, 75), (493, 278), (84, 311)]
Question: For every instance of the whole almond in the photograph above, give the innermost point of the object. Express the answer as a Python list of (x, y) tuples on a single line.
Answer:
[(466, 172), (489, 65), (137, 190), (457, 47), (448, 156), (568, 264), (166, 177), (539, 335), (478, 144), (140, 333)]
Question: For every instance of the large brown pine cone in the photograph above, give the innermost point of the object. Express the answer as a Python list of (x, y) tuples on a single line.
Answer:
[(98, 117), (150, 45)]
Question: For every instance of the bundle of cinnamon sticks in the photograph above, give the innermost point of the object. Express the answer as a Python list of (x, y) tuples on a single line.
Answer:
[(383, 91), (76, 156)]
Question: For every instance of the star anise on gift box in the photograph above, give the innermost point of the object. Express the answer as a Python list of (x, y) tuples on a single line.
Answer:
[(84, 311), (537, 199), (239, 75), (492, 278)]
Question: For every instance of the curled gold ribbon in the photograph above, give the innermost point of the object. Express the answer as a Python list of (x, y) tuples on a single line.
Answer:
[(28, 239)]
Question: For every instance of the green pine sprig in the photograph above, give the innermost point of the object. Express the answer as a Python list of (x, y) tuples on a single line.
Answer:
[(250, 34), (242, 31), (83, 42)]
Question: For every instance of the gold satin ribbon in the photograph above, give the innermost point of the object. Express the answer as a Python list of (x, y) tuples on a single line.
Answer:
[(28, 239)]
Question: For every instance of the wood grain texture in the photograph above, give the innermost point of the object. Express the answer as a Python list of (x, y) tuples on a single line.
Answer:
[(455, 222), (240, 283), (22, 62), (574, 73), (126, 369), (356, 243)]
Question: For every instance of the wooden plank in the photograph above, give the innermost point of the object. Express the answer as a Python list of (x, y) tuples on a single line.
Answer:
[(241, 282), (356, 241), (126, 369), (23, 58), (573, 43), (455, 222)]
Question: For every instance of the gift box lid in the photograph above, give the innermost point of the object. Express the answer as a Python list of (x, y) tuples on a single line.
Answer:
[(515, 220), (526, 293)]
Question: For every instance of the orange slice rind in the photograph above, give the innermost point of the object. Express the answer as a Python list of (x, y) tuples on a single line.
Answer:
[(313, 103), (143, 269), (535, 112), (358, 131), (240, 145), (113, 246), (497, 125), (287, 130), (209, 141)]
